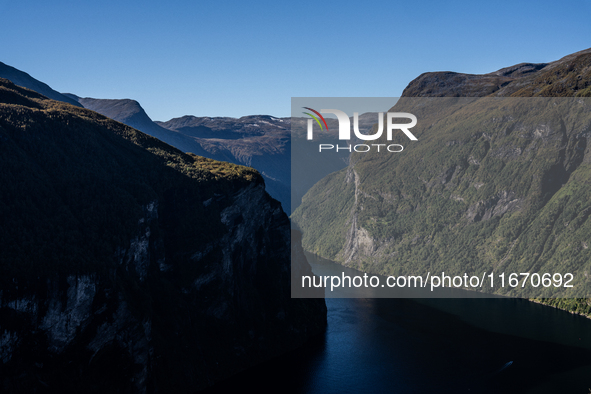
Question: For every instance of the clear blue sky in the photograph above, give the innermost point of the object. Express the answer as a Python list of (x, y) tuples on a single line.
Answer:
[(230, 58)]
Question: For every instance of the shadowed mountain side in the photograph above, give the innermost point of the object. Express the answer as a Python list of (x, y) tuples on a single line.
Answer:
[(265, 143), (255, 141), (130, 266), (258, 141), (131, 113)]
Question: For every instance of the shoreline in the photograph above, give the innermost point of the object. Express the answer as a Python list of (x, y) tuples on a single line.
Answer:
[(534, 300)]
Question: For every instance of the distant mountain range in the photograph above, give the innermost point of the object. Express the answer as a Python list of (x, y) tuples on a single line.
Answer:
[(258, 141)]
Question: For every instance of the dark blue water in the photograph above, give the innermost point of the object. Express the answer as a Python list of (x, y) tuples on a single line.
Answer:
[(434, 346)]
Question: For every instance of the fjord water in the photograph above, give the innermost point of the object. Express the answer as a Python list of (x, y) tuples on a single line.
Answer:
[(432, 346)]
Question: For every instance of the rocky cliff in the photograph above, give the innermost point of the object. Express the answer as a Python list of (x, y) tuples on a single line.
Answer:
[(129, 266), (494, 184)]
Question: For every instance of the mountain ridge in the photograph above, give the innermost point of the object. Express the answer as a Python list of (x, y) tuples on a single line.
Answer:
[(266, 147), (21, 78), (505, 82), (235, 140)]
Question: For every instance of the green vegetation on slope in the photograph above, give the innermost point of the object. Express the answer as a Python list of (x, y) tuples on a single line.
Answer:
[(492, 185)]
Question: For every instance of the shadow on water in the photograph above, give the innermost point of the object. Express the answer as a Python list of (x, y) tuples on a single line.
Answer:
[(402, 346), (433, 346)]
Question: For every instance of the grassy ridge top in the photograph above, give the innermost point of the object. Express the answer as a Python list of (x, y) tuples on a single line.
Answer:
[(567, 77), (21, 102)]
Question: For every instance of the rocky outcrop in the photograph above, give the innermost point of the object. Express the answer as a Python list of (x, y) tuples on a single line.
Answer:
[(234, 314), (498, 205), (358, 241)]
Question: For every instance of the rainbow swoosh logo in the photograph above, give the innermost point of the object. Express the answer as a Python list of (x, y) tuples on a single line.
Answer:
[(315, 118)]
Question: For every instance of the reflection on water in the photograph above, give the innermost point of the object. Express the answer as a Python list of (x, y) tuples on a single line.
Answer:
[(434, 346)]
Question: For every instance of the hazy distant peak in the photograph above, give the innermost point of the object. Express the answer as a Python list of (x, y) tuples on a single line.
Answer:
[(114, 108), (23, 79), (72, 96), (190, 123)]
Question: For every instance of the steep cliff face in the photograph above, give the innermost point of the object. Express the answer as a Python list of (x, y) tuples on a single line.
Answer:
[(129, 266), (493, 184)]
